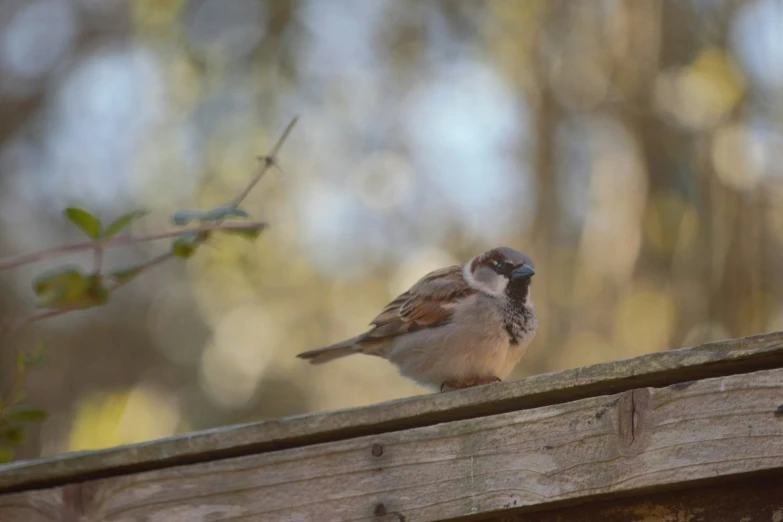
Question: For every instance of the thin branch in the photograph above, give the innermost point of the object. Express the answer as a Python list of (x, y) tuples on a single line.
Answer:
[(276, 148), (18, 324), (13, 262), (152, 263), (266, 163), (98, 246)]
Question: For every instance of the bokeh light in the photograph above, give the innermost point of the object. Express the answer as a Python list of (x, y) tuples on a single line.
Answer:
[(633, 149)]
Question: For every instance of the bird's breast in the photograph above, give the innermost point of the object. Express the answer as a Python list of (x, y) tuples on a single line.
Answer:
[(519, 322), (476, 343)]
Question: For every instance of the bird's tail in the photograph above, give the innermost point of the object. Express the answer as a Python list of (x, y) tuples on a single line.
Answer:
[(333, 351)]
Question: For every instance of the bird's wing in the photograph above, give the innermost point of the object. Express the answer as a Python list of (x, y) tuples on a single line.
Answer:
[(429, 303)]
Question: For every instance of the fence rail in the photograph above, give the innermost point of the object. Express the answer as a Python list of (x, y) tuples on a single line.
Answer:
[(682, 435)]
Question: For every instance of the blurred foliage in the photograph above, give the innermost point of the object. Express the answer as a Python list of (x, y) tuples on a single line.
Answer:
[(633, 149), (15, 415), (67, 289)]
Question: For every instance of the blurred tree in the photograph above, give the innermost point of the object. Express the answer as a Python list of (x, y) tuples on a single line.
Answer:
[(632, 148)]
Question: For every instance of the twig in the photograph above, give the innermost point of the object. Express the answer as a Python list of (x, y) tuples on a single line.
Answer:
[(12, 262), (152, 263), (98, 246), (18, 324), (266, 162)]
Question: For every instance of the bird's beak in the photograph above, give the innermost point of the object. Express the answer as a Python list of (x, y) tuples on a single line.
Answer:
[(521, 272)]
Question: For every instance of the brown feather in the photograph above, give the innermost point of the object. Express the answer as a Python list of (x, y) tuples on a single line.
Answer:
[(427, 303), (337, 350)]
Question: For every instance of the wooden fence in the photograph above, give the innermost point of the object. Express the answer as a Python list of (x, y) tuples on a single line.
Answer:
[(685, 435)]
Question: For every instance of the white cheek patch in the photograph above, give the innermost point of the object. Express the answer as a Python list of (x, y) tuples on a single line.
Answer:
[(496, 285), (486, 281), (467, 275)]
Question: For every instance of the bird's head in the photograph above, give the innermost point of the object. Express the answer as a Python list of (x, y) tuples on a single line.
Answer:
[(501, 271)]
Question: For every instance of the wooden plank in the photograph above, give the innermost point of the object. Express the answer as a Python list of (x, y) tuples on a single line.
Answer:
[(758, 500), (630, 443), (655, 369)]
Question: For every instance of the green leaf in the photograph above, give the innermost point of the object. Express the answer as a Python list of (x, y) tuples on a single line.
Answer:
[(6, 455), (22, 413), (185, 245), (126, 274), (59, 287), (67, 276), (12, 434), (122, 222), (85, 221), (183, 217), (250, 234), (68, 288), (223, 212)]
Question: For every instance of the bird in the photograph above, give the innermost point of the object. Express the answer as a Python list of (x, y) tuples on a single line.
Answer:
[(456, 327)]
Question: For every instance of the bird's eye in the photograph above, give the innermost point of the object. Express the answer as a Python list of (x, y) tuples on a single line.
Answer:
[(499, 266)]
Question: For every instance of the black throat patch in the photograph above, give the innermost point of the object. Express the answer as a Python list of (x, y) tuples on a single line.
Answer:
[(518, 319)]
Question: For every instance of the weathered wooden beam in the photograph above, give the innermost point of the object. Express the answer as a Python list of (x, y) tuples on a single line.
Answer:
[(630, 443), (655, 369)]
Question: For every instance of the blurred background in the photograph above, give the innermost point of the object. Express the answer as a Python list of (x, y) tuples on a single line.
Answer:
[(633, 148)]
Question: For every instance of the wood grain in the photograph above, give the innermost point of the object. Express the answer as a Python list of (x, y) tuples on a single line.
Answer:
[(655, 369), (631, 443)]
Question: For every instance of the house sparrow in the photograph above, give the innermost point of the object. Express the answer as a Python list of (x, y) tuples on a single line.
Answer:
[(457, 327)]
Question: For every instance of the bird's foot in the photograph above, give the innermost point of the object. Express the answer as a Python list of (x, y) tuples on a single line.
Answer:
[(467, 383)]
